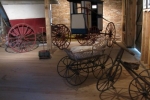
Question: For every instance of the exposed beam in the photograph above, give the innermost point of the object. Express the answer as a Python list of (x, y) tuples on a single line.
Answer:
[(7, 2), (48, 26)]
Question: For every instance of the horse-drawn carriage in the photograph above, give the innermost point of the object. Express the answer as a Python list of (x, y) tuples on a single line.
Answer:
[(86, 24)]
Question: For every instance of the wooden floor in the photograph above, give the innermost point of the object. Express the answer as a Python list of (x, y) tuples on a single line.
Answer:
[(23, 76)]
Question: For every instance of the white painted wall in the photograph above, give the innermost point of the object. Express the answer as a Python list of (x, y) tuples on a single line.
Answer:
[(24, 11)]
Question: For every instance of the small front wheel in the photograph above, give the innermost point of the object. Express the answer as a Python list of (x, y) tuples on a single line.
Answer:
[(76, 73), (62, 66)]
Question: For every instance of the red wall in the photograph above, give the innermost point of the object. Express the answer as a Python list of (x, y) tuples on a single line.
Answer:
[(35, 23)]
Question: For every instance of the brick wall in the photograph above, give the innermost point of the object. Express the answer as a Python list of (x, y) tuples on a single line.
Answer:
[(112, 11), (61, 13)]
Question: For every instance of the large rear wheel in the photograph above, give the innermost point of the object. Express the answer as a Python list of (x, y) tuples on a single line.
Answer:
[(138, 89), (21, 38), (61, 36)]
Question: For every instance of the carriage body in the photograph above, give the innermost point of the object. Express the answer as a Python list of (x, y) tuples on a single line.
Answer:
[(85, 14), (86, 23)]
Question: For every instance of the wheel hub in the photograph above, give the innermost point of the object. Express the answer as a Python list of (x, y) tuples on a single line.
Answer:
[(144, 93), (102, 66), (58, 35)]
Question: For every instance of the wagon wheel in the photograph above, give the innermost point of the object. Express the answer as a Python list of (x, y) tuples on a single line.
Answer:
[(21, 38), (101, 65), (115, 94), (77, 73), (109, 77), (110, 33), (90, 38), (93, 33), (41, 37), (61, 36), (62, 66), (54, 29), (138, 89)]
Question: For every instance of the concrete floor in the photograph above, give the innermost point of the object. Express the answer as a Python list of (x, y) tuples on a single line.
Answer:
[(23, 76)]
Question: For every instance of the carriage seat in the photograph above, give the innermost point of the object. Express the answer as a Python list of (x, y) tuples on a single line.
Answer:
[(98, 45), (85, 52)]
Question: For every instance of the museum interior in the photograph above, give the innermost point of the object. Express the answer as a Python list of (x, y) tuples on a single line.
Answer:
[(74, 50)]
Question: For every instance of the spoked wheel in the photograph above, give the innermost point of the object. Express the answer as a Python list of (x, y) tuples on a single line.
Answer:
[(77, 73), (21, 38), (62, 66), (139, 90), (61, 36), (93, 33), (41, 37), (65, 45), (89, 38), (109, 77), (54, 29), (115, 94), (110, 33), (101, 65), (145, 73)]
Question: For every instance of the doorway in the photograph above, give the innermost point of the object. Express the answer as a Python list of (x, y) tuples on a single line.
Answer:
[(139, 25)]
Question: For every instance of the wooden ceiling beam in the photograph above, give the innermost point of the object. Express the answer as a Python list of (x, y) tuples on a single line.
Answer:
[(7, 2)]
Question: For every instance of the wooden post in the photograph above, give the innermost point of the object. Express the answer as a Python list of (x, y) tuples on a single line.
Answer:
[(48, 25), (129, 22), (143, 35), (146, 39), (123, 21)]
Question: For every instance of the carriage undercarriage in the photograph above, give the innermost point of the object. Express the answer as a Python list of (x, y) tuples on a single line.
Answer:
[(61, 35)]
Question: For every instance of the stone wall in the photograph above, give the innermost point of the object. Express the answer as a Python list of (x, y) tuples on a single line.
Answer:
[(112, 11)]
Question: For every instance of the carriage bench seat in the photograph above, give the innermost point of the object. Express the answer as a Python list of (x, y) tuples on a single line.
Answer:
[(86, 52), (132, 65)]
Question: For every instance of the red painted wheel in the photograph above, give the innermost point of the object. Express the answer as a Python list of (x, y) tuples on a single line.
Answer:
[(61, 36), (21, 38)]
